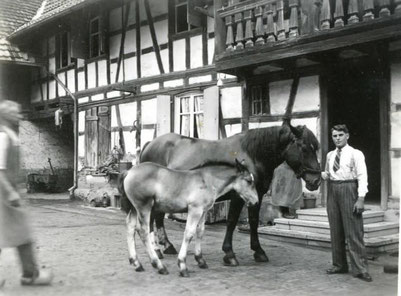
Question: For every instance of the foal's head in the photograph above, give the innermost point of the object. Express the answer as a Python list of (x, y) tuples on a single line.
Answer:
[(244, 185)]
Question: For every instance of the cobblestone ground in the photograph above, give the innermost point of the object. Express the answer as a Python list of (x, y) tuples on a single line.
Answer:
[(86, 248)]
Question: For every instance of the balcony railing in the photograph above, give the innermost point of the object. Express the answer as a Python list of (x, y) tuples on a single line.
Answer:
[(266, 22)]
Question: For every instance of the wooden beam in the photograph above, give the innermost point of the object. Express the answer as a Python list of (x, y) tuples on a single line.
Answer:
[(138, 39), (324, 131), (291, 99), (154, 37), (124, 22)]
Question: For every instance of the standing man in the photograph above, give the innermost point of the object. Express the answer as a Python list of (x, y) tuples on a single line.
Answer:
[(14, 225), (347, 178)]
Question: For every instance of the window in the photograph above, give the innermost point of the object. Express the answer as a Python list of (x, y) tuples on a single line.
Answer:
[(95, 38), (189, 115), (63, 49), (259, 97), (181, 17)]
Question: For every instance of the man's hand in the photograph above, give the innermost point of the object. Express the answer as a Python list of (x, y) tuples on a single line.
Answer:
[(325, 175), (359, 205)]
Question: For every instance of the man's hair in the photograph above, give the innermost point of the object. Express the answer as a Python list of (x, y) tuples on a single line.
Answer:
[(340, 128)]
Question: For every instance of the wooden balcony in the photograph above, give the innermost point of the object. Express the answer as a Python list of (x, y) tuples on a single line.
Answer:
[(252, 33)]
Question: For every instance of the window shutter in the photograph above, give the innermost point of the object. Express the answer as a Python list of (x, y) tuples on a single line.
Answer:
[(194, 17), (211, 103), (163, 115)]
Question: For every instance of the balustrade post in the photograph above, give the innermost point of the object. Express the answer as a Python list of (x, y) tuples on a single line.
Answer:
[(259, 31), (339, 14), (280, 20), (270, 24), (230, 34), (368, 8), (316, 15), (397, 4), (325, 15), (248, 28), (384, 8), (353, 12), (293, 18), (239, 38)]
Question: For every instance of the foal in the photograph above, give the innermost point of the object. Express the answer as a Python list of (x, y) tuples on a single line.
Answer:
[(150, 186)]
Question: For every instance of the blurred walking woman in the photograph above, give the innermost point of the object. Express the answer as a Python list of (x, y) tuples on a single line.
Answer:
[(14, 226)]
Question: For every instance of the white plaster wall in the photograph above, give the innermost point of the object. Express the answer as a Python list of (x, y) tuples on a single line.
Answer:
[(396, 83), (35, 93), (97, 97), (52, 89), (146, 136), (115, 19), (81, 146), (113, 71), (130, 69), (279, 95), (131, 15), (102, 70), (71, 80), (165, 60), (44, 90), (161, 29), (146, 39), (231, 102), (149, 66), (114, 46), (61, 91), (158, 7), (81, 80), (308, 94), (150, 87), (149, 111), (52, 65), (199, 79), (210, 50), (232, 129), (52, 45), (81, 121), (179, 55), (196, 51), (127, 113), (253, 125), (129, 43), (92, 75)]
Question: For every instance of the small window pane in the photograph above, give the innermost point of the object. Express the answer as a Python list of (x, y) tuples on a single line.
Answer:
[(181, 18), (95, 26)]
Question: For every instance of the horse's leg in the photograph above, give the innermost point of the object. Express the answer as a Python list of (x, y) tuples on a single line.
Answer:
[(253, 215), (200, 230), (144, 220), (131, 223), (236, 205), (193, 218), (153, 238), (162, 235)]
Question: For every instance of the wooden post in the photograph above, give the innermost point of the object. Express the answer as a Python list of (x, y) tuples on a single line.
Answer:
[(230, 34), (339, 14), (353, 11), (293, 18), (248, 28), (270, 24), (280, 20), (325, 16), (239, 38), (259, 32), (219, 29), (324, 130), (384, 8), (368, 10)]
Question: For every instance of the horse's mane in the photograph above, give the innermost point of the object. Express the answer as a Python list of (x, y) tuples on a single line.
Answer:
[(213, 163)]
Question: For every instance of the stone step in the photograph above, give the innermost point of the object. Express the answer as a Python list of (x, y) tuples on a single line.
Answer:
[(320, 214), (375, 245), (371, 229)]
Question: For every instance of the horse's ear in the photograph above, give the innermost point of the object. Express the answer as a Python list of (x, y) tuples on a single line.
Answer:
[(296, 131)]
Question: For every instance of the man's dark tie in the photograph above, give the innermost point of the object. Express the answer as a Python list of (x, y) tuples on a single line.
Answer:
[(336, 164)]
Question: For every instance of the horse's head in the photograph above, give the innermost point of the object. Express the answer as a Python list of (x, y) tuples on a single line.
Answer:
[(244, 185), (299, 146)]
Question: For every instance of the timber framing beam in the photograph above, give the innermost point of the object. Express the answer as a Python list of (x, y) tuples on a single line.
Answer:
[(336, 38)]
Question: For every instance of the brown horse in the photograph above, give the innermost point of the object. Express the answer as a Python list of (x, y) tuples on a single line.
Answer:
[(151, 187), (262, 149)]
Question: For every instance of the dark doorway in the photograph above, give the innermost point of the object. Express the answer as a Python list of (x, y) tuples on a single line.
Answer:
[(353, 99)]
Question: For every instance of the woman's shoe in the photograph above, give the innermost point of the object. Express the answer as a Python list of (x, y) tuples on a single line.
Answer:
[(44, 278)]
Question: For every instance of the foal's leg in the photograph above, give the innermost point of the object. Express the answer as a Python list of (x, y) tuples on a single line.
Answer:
[(200, 229), (153, 238), (162, 235), (236, 205), (144, 220), (131, 223), (193, 218), (253, 214)]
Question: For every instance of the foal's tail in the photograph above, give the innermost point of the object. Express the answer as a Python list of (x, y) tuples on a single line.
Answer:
[(126, 205)]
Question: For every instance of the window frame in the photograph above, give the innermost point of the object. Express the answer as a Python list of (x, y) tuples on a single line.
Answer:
[(98, 35), (192, 113), (63, 51), (261, 104)]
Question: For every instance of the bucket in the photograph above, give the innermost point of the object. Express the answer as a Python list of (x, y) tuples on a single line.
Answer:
[(309, 202)]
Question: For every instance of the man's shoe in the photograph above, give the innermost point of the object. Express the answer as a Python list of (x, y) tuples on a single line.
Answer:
[(44, 278), (335, 270), (364, 277)]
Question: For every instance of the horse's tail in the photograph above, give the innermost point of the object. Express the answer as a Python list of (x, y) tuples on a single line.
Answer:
[(126, 205), (143, 149)]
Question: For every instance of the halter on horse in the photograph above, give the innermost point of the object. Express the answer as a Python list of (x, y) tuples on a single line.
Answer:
[(150, 186)]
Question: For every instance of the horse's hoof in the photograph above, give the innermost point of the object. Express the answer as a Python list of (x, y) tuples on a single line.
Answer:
[(260, 257), (170, 250), (159, 254), (139, 268), (230, 261), (163, 271), (203, 265), (184, 273)]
